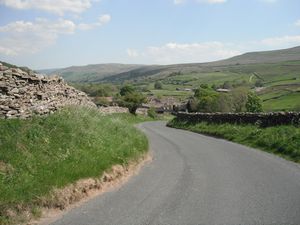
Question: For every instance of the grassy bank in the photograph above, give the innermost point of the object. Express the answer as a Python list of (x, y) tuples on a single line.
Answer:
[(280, 140), (39, 154)]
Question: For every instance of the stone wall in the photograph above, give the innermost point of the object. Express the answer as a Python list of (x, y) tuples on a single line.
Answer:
[(24, 94), (262, 119), (113, 109)]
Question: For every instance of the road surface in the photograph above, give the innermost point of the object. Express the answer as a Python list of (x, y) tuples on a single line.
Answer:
[(195, 179)]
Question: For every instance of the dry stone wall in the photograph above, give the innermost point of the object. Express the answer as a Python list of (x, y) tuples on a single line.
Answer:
[(262, 119), (24, 94), (113, 109)]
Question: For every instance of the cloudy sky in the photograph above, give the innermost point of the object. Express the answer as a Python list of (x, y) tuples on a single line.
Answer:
[(59, 33)]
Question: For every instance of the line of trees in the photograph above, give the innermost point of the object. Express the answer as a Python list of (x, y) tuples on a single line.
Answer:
[(97, 90), (206, 99)]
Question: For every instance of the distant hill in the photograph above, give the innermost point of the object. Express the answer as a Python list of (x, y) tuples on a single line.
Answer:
[(48, 71), (290, 54), (91, 73), (26, 69), (122, 72)]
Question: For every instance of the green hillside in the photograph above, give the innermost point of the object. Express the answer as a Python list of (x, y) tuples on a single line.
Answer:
[(118, 73), (279, 83), (91, 73), (274, 75), (26, 69)]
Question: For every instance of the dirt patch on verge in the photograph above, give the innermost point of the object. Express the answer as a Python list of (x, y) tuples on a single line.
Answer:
[(53, 206), (5, 168)]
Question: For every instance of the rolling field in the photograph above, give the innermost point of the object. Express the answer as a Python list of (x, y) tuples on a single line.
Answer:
[(277, 72), (288, 102), (280, 81)]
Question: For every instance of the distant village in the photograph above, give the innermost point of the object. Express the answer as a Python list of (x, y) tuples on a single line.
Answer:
[(161, 105)]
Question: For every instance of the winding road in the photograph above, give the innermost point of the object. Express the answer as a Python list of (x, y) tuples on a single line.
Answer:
[(195, 179)]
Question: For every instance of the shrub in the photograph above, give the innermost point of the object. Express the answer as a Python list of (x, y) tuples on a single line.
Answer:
[(253, 103), (152, 113), (158, 85)]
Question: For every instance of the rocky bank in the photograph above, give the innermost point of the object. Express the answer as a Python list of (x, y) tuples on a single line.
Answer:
[(25, 94)]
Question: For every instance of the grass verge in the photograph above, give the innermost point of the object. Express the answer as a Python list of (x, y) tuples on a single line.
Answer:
[(46, 153), (280, 140)]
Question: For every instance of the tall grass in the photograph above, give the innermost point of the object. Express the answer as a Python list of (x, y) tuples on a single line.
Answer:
[(280, 140), (41, 153)]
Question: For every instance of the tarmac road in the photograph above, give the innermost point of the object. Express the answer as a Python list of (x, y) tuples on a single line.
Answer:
[(195, 179)]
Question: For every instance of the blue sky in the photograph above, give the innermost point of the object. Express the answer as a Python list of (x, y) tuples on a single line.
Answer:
[(60, 33)]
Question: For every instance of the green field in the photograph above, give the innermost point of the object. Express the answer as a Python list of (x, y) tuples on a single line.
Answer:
[(269, 69), (164, 92), (42, 153), (287, 102), (281, 82)]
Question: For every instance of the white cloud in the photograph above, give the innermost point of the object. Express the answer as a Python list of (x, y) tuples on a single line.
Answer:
[(30, 37), (7, 51), (53, 6), (40, 26), (297, 23), (132, 53), (173, 52), (282, 42), (102, 20), (22, 37), (186, 52)]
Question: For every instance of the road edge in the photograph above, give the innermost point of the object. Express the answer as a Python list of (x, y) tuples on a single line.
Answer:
[(74, 195)]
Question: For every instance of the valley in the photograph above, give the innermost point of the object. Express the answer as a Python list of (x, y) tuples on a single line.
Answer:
[(273, 75)]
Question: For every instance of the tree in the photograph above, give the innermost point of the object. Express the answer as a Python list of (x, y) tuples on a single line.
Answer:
[(97, 90), (208, 104), (239, 99), (152, 113), (204, 86), (227, 85), (214, 87), (253, 103), (130, 98), (192, 105), (224, 103), (206, 100), (102, 101), (259, 83), (158, 85), (127, 89)]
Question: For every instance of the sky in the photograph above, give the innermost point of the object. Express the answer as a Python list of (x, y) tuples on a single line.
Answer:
[(45, 34)]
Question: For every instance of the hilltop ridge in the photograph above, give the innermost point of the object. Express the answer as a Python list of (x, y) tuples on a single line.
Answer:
[(114, 72)]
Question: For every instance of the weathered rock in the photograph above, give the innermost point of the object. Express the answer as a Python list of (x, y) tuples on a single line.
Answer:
[(23, 94), (7, 71), (113, 109), (4, 108), (3, 68), (14, 91)]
